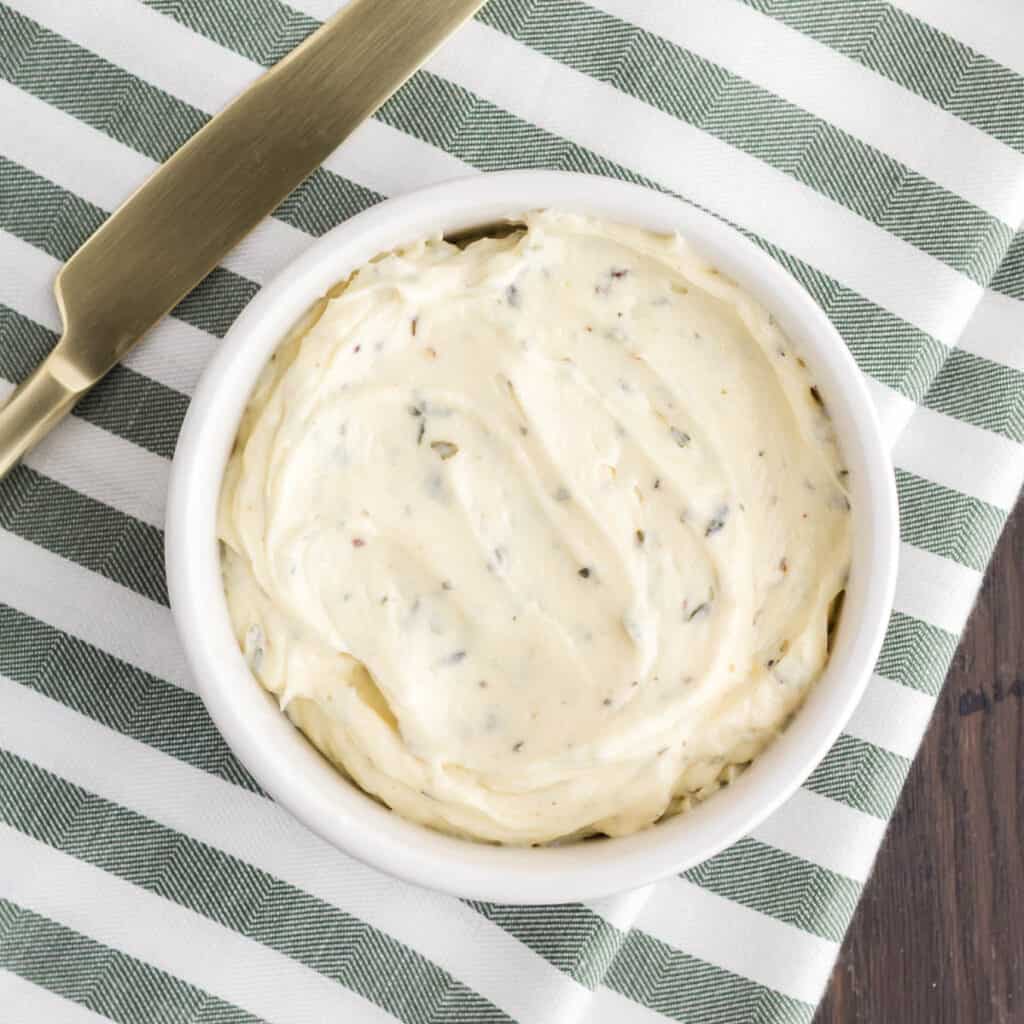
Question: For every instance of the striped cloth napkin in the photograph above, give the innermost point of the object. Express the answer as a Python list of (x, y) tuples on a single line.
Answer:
[(875, 149)]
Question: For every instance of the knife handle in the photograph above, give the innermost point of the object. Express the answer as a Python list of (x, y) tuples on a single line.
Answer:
[(35, 407)]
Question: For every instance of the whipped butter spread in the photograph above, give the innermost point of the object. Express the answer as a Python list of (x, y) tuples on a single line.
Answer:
[(538, 537)]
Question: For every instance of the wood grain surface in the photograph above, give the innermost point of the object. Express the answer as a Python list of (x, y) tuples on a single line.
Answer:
[(938, 937)]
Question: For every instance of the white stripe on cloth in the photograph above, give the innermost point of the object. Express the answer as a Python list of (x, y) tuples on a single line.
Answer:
[(170, 56), (738, 939), (945, 149), (608, 1007), (91, 607), (892, 716), (826, 832), (996, 330), (258, 831), (174, 352), (25, 1003), (894, 410), (994, 29), (935, 589), (958, 455), (141, 924), (101, 466), (105, 172)]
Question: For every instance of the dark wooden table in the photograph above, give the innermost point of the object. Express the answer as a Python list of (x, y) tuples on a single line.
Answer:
[(939, 934)]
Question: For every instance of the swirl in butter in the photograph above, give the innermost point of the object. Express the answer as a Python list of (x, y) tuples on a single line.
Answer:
[(537, 537)]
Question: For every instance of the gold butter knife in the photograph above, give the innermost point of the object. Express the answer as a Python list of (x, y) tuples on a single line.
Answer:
[(173, 231)]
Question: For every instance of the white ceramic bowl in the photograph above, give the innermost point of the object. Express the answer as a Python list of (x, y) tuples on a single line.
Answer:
[(278, 755)]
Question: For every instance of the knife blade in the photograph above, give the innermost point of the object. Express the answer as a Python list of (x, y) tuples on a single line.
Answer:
[(198, 205)]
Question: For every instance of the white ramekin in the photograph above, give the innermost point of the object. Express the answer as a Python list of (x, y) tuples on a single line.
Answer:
[(277, 754)]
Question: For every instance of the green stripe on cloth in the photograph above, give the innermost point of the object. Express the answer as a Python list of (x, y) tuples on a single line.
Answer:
[(916, 653), (100, 978), (570, 936), (917, 56), (754, 120), (43, 214), (91, 89), (143, 117), (692, 991), (975, 390), (214, 304), (115, 694), (885, 347), (781, 885), (947, 522), (447, 116), (235, 895), (1009, 278), (861, 775), (124, 403), (77, 527), (267, 31)]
